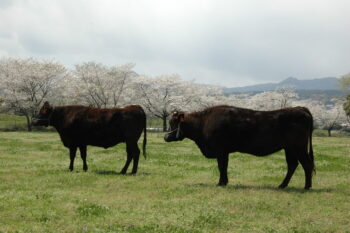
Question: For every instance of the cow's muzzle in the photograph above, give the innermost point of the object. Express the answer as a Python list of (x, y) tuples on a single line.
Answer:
[(174, 135), (168, 137), (40, 122)]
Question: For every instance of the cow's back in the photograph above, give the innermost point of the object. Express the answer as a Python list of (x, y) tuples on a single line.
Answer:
[(100, 127), (255, 132)]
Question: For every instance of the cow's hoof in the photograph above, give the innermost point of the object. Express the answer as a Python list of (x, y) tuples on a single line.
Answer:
[(282, 186), (221, 184), (122, 172)]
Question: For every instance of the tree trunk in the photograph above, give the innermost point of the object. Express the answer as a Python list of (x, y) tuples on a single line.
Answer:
[(29, 123), (165, 128), (329, 132)]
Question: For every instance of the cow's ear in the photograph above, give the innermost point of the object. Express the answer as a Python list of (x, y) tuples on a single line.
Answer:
[(181, 117)]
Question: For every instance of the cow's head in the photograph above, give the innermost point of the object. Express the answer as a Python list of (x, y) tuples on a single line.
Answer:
[(175, 122), (44, 116)]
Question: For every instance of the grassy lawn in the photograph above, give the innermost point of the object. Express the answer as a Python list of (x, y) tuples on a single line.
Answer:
[(174, 190), (9, 122)]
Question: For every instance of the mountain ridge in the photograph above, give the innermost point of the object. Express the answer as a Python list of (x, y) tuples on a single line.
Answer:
[(326, 83)]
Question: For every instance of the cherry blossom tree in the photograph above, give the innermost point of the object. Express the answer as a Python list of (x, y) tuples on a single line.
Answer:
[(237, 100), (163, 94), (344, 83), (26, 83), (346, 107), (205, 96), (326, 116), (282, 97), (264, 101), (286, 95), (331, 116), (98, 85)]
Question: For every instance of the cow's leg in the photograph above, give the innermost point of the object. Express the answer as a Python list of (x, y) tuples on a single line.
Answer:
[(128, 158), (72, 152), (308, 169), (83, 156), (292, 164), (222, 164), (136, 156)]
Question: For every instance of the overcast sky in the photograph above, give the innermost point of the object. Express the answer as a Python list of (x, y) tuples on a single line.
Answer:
[(227, 43)]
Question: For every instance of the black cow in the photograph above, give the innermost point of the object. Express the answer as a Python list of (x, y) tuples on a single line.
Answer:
[(79, 126), (220, 130)]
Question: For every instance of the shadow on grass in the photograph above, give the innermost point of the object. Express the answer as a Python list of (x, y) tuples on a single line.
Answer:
[(107, 173), (265, 187), (114, 173)]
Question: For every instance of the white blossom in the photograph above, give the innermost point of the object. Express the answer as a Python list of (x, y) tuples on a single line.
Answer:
[(100, 86), (26, 83)]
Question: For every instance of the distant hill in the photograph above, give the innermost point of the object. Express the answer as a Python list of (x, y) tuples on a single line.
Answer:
[(325, 95), (329, 83)]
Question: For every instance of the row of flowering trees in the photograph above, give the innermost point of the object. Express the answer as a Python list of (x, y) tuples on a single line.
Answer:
[(345, 86), (26, 83)]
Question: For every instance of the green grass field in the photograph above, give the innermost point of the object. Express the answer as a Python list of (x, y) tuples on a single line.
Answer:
[(9, 122), (174, 191)]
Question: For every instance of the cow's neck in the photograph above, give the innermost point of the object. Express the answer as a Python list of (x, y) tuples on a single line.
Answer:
[(56, 118), (192, 128)]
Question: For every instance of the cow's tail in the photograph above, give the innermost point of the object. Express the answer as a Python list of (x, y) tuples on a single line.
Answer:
[(144, 138), (311, 152)]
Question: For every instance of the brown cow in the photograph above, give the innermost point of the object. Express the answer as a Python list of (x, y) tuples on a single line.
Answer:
[(220, 130), (79, 126)]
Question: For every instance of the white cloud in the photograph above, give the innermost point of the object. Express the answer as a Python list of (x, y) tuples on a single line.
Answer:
[(220, 42)]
